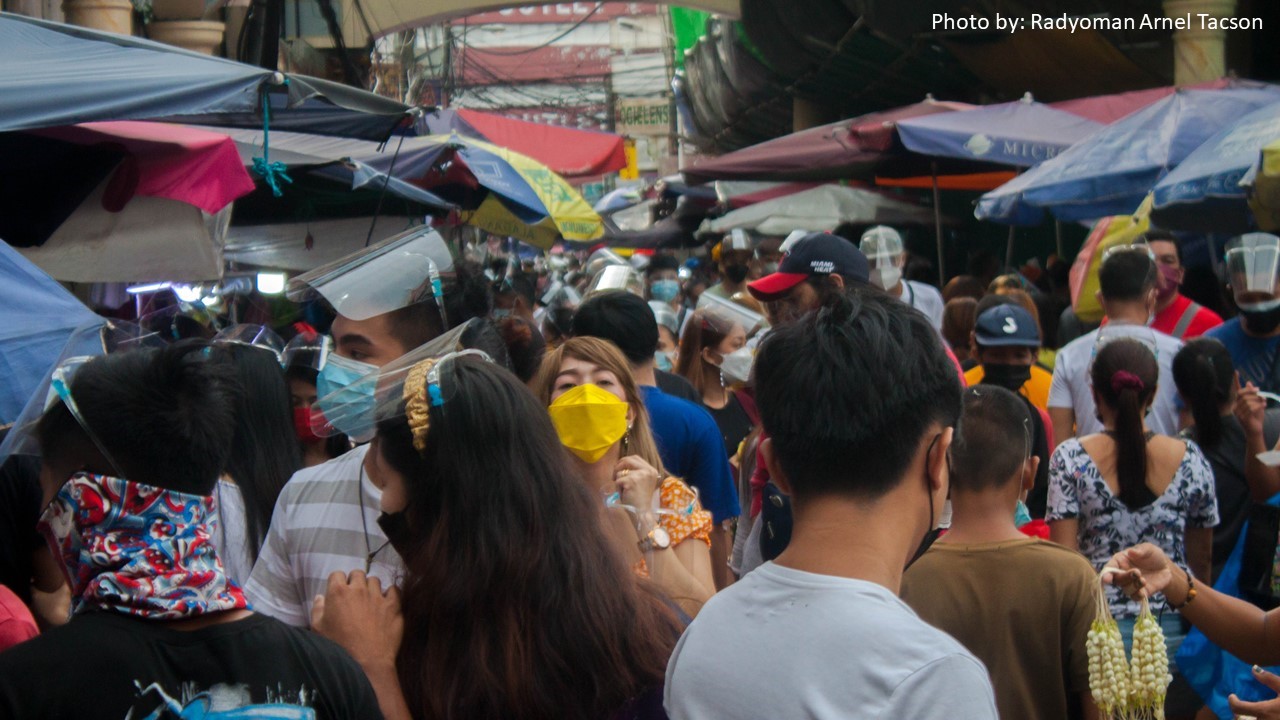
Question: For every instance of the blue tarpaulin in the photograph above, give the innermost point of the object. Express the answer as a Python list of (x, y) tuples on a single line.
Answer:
[(1022, 134), (1203, 194), (40, 315), (1111, 171), (57, 75)]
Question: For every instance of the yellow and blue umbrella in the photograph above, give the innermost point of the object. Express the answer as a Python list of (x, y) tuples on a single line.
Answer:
[(503, 192)]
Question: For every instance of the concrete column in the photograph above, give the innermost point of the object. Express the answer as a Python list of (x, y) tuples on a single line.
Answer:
[(1199, 55)]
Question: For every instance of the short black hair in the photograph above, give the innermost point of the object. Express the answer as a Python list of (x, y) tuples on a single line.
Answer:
[(623, 319), (519, 284), (847, 394), (1127, 275), (415, 324), (1151, 236), (166, 415), (468, 294), (993, 438), (658, 263)]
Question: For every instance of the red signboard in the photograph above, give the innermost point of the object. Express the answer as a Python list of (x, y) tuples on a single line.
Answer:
[(564, 12), (555, 64)]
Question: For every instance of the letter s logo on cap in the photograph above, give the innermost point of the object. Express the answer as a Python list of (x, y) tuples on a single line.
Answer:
[(1010, 326)]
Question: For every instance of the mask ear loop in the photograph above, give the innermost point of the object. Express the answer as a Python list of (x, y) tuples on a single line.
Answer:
[(60, 386)]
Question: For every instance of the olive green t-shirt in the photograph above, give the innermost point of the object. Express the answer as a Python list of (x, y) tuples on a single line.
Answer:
[(1024, 608)]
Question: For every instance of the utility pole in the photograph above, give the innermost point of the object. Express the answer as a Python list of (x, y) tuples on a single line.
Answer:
[(610, 102)]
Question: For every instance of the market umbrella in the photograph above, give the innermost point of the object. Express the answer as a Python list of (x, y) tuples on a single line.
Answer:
[(820, 209), (57, 75), (829, 152), (1111, 171), (1204, 192), (500, 191), (120, 201), (40, 315), (1021, 134)]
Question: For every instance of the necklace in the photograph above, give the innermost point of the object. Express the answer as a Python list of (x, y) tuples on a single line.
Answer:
[(364, 526)]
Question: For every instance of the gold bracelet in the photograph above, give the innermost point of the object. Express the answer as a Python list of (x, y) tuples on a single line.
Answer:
[(1191, 592)]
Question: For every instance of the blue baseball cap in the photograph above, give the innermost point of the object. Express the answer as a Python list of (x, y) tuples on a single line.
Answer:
[(1007, 325)]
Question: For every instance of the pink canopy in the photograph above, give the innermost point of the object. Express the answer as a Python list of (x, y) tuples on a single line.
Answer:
[(196, 167)]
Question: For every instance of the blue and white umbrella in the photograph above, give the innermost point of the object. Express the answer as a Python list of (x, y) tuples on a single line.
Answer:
[(1112, 170), (1024, 133), (1204, 193)]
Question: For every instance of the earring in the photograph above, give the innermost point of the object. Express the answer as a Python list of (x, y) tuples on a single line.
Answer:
[(626, 443)]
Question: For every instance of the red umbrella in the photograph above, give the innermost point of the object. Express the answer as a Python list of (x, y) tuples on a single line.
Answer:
[(822, 153)]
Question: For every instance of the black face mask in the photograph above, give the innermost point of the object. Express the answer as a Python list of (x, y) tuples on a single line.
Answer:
[(735, 273), (1261, 323), (932, 535), (1009, 377), (396, 527)]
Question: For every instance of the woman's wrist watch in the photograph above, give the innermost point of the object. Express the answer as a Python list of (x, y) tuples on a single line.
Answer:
[(657, 539)]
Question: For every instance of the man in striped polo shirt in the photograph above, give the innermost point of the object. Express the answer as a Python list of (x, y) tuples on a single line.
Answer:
[(326, 518)]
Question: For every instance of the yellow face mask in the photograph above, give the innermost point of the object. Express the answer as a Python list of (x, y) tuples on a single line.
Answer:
[(589, 421)]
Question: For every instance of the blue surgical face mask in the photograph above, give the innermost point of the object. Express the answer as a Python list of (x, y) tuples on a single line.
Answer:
[(662, 360), (1021, 516), (348, 409), (664, 290)]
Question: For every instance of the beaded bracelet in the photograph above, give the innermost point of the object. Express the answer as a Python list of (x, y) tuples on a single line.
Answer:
[(1191, 592)]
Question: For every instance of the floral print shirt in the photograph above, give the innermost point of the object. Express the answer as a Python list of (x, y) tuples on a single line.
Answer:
[(1107, 526)]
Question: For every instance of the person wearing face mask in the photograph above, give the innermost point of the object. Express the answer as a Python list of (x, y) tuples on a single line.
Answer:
[(325, 520), (600, 416), (1253, 336), (735, 255), (859, 403), (1005, 340), (133, 444), (815, 268), (301, 360), (768, 256), (887, 255), (1176, 314), (714, 357), (1022, 605), (662, 280), (1127, 282), (553, 603)]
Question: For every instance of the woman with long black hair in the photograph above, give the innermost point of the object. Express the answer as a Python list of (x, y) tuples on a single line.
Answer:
[(515, 603), (1126, 485), (265, 453)]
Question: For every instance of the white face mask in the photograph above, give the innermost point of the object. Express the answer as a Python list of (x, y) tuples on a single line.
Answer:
[(886, 276), (736, 366)]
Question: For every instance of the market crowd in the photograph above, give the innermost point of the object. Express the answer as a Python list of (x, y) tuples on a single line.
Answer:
[(791, 479)]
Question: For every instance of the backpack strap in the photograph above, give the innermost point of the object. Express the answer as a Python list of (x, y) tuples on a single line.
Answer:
[(1185, 321), (749, 405)]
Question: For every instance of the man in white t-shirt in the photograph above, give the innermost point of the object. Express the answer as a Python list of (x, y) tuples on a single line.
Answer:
[(1128, 288), (858, 402), (884, 250)]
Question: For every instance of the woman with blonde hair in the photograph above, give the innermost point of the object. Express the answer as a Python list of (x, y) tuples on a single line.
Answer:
[(655, 519)]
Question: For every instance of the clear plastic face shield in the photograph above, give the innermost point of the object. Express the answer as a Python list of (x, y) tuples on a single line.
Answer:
[(306, 350), (395, 273), (731, 319), (602, 258), (665, 316), (255, 336), (1253, 269), (885, 255), (616, 277), (355, 408), (83, 345), (1111, 333)]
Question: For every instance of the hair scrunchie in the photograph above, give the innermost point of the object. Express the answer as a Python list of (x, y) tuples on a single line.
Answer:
[(1125, 380)]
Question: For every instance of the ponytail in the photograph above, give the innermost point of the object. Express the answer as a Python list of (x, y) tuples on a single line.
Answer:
[(1131, 441), (1124, 375), (1205, 377)]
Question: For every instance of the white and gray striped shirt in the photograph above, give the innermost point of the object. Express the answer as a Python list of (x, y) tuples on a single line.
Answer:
[(316, 529)]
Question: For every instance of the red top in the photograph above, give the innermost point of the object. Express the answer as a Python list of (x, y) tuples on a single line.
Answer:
[(1167, 320), (16, 623)]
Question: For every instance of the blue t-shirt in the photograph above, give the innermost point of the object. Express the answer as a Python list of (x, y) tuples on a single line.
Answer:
[(1253, 357), (692, 449)]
